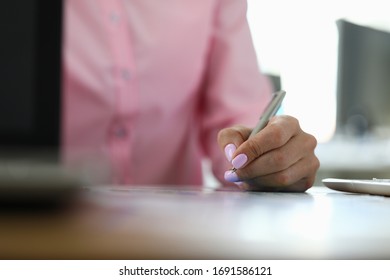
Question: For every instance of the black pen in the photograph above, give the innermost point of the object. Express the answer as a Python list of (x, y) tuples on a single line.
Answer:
[(270, 111)]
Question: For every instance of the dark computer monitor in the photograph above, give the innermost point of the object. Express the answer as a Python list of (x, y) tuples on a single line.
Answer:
[(363, 92), (30, 76), (31, 174)]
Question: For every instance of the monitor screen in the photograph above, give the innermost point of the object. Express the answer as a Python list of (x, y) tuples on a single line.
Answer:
[(30, 63), (363, 93)]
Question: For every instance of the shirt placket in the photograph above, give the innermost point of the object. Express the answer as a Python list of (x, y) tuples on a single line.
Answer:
[(123, 89)]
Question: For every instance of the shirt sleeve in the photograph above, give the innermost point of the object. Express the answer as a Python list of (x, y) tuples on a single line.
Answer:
[(234, 91)]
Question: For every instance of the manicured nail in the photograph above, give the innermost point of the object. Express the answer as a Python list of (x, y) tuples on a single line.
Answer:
[(239, 161), (231, 176), (229, 150)]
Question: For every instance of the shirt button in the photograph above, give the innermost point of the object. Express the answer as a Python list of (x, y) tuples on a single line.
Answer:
[(115, 17), (120, 132), (126, 75)]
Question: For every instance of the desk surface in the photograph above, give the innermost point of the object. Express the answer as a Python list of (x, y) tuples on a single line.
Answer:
[(188, 223)]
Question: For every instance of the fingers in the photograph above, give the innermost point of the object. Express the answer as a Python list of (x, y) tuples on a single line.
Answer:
[(297, 178), (233, 135), (276, 134), (240, 150), (279, 158)]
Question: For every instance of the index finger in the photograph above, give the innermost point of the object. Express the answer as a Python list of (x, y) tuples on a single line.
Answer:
[(235, 135)]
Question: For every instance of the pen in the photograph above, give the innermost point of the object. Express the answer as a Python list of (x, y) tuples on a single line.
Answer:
[(270, 111)]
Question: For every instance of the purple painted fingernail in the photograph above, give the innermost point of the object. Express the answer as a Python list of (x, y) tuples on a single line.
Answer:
[(231, 176), (229, 150), (239, 161)]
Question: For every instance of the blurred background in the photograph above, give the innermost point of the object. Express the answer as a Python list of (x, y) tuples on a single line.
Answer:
[(333, 59), (298, 40)]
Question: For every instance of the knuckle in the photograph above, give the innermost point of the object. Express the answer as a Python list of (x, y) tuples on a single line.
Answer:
[(316, 163), (311, 141), (284, 178), (292, 122), (295, 122), (309, 183), (279, 159), (278, 134)]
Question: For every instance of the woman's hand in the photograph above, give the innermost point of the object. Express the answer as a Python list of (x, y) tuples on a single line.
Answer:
[(278, 158)]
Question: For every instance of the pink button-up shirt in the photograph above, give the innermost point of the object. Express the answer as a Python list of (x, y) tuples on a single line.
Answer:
[(148, 84)]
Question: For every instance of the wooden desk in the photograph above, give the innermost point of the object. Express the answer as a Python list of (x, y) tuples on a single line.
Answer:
[(171, 223)]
